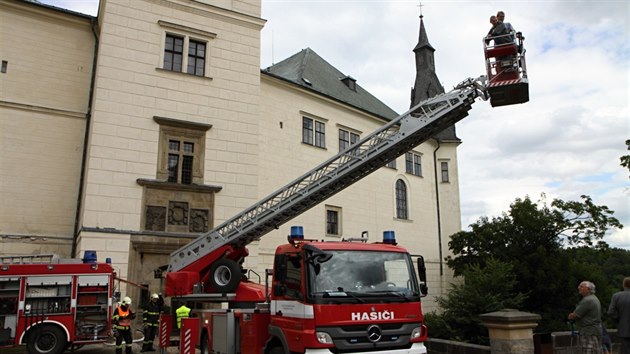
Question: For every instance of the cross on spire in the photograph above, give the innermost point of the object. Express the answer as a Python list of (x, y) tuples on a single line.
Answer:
[(420, 6)]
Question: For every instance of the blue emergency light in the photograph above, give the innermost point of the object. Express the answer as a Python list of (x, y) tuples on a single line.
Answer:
[(389, 237), (297, 233)]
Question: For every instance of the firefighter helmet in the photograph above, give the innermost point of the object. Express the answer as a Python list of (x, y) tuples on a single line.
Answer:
[(126, 300), (155, 296)]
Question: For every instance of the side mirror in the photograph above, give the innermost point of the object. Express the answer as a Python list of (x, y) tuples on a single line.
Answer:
[(422, 274)]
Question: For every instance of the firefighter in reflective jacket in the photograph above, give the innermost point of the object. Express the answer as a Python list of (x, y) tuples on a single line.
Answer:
[(122, 324), (150, 319), (182, 312)]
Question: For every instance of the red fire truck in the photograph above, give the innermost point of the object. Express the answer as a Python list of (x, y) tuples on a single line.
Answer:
[(327, 297), (350, 296), (50, 304)]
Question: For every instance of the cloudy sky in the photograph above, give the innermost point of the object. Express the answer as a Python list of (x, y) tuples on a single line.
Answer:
[(564, 143)]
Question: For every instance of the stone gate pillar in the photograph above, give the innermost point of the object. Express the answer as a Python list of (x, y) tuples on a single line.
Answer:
[(511, 331)]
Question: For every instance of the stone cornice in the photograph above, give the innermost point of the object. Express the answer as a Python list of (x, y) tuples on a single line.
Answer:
[(42, 109), (197, 188), (171, 122)]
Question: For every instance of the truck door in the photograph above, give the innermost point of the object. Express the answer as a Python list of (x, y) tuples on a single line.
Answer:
[(9, 294), (289, 313)]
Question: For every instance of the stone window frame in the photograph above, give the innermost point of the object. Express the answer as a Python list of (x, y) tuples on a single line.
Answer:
[(188, 34), (173, 129)]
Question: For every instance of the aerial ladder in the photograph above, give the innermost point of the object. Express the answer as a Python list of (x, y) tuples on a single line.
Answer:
[(214, 258)]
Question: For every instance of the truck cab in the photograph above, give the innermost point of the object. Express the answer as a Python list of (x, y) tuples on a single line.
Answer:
[(324, 297), (350, 297)]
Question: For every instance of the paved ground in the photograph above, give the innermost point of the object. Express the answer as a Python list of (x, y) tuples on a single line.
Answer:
[(105, 349), (98, 349)]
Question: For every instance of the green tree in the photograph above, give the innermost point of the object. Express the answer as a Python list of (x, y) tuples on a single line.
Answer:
[(625, 160), (532, 238), (605, 267), (470, 298)]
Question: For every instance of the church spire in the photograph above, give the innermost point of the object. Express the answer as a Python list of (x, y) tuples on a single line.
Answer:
[(423, 40), (427, 83)]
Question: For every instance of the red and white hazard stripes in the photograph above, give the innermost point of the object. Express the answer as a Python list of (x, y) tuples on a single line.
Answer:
[(505, 82)]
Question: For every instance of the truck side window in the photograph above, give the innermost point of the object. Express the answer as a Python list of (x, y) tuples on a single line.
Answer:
[(293, 280)]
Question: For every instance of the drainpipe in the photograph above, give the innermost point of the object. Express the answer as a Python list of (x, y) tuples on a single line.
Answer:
[(437, 205), (88, 122)]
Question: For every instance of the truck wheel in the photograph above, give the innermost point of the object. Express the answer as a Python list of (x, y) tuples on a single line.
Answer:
[(276, 350), (225, 274), (46, 339)]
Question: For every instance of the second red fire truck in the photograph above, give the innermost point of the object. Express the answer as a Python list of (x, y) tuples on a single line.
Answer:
[(50, 304)]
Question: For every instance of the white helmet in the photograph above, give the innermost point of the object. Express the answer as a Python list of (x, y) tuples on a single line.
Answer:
[(126, 300), (155, 296)]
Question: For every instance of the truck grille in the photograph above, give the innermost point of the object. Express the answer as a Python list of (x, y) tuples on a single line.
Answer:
[(372, 337)]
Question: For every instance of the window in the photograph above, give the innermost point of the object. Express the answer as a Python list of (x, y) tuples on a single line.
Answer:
[(413, 164), (180, 161), (401, 200), (181, 151), (173, 53), (391, 164), (313, 132), (177, 200), (333, 221), (196, 58), (185, 48), (444, 169), (347, 138)]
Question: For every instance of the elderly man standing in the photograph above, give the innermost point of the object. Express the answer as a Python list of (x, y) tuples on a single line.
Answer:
[(619, 309), (588, 316)]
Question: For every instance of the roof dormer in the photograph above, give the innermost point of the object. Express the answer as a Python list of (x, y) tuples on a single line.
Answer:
[(350, 82)]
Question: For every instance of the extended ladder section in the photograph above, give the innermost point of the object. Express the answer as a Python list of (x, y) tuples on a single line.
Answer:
[(349, 166)]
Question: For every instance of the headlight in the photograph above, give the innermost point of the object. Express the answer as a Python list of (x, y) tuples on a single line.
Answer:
[(416, 333), (323, 337)]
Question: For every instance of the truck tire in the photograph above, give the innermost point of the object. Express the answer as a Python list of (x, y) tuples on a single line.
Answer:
[(46, 339), (276, 350), (225, 275)]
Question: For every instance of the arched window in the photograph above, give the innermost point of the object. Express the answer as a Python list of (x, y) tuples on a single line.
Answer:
[(401, 200)]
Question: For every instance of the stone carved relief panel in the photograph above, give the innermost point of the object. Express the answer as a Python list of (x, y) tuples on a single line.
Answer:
[(177, 213), (155, 218), (198, 220), (177, 208)]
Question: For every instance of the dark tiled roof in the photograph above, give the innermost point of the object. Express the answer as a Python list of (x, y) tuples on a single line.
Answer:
[(310, 71)]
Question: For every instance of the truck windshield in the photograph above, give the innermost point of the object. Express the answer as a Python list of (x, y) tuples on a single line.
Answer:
[(361, 274)]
